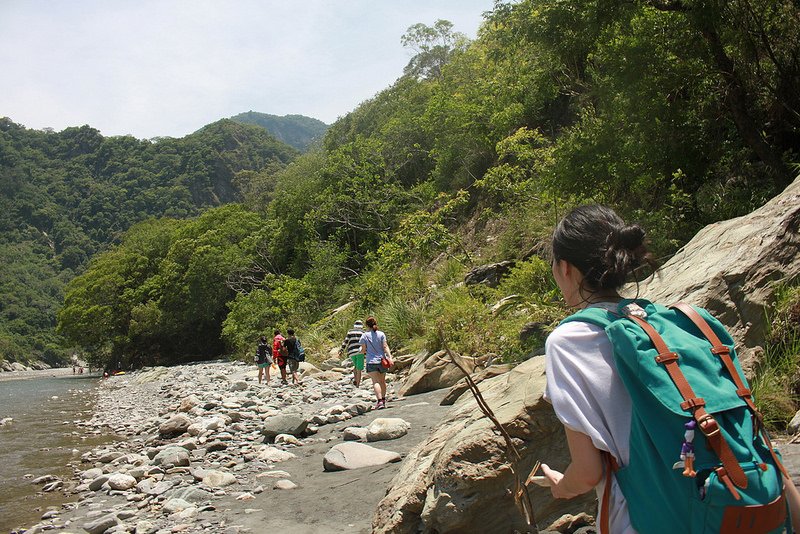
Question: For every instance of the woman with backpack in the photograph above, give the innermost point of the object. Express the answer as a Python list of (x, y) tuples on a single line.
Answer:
[(378, 357), (594, 253), (294, 354)]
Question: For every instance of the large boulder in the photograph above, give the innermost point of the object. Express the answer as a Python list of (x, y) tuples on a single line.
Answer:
[(731, 268), (461, 386), (448, 482), (435, 371)]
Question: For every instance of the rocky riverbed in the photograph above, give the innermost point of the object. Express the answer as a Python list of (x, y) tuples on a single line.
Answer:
[(209, 449)]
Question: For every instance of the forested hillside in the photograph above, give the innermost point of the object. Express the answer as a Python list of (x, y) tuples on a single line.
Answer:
[(65, 196), (676, 112), (298, 131)]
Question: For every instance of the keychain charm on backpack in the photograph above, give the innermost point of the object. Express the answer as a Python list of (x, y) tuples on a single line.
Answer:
[(687, 451)]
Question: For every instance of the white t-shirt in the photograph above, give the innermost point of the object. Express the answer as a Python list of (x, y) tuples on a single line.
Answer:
[(588, 397)]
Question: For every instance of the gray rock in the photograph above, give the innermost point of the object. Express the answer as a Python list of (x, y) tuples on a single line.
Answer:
[(98, 482), (274, 455), (174, 426), (384, 428), (284, 485), (101, 524), (461, 386), (293, 424), (53, 486), (175, 505), (121, 481), (241, 385), (436, 372), (354, 433), (354, 455), (172, 457), (191, 494), (490, 274), (44, 479), (218, 479)]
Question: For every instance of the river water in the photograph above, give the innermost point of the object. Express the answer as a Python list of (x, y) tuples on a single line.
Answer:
[(42, 440)]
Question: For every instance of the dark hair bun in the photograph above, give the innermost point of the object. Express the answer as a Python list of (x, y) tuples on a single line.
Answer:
[(629, 237)]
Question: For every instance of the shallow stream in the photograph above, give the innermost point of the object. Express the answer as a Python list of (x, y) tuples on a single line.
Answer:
[(42, 440)]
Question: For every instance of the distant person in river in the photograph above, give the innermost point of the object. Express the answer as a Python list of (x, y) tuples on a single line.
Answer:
[(379, 359), (294, 353), (350, 347), (278, 352), (263, 358)]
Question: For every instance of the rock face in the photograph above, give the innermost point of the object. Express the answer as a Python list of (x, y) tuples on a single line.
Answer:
[(435, 372), (449, 482), (731, 268), (461, 386)]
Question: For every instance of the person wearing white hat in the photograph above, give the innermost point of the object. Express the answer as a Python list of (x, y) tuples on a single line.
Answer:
[(351, 348)]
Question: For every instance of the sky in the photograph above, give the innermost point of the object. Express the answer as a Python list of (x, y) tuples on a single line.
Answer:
[(152, 68)]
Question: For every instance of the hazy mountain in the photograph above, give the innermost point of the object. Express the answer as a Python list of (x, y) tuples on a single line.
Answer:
[(298, 131)]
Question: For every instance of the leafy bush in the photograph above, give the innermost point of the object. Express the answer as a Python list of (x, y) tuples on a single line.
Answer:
[(532, 279)]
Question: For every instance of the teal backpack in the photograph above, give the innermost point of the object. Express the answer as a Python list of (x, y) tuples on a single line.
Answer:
[(680, 369)]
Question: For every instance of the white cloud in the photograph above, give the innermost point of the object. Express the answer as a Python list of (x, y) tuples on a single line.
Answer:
[(167, 67)]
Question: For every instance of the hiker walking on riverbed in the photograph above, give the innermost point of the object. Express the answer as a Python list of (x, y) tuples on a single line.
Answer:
[(294, 355), (379, 359), (263, 358), (350, 347), (278, 352)]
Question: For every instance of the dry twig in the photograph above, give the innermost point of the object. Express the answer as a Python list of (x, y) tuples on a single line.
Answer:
[(521, 496)]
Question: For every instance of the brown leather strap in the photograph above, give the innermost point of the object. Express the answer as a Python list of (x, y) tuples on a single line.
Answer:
[(705, 421), (605, 506), (723, 352), (755, 519)]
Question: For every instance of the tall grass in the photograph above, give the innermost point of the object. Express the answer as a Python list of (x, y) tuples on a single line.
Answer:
[(776, 384), (402, 320)]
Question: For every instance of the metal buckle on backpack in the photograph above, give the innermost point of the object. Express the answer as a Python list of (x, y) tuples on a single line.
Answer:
[(708, 419)]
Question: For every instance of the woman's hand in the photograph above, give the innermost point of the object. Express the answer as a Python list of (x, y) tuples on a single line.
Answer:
[(583, 473), (554, 477)]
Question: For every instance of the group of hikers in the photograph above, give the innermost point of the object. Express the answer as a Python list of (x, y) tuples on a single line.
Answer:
[(658, 416), (285, 352), (366, 349)]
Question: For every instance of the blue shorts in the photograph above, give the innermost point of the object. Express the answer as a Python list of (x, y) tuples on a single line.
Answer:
[(376, 368)]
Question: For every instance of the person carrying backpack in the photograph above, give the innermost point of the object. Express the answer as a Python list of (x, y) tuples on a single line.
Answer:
[(295, 353), (279, 353), (657, 413)]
